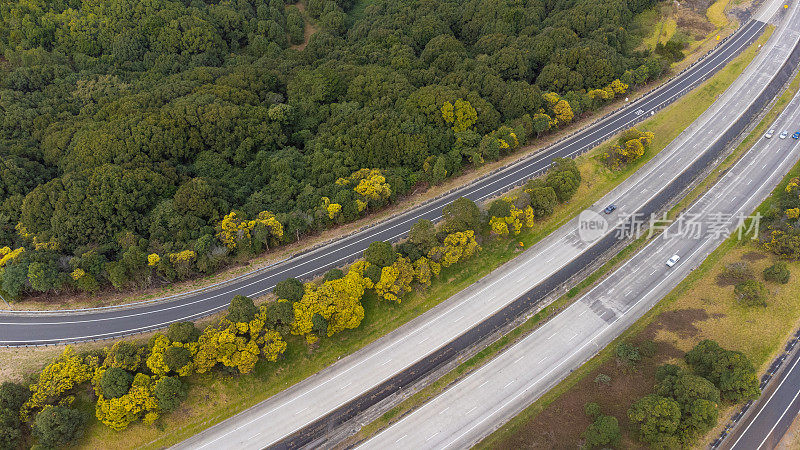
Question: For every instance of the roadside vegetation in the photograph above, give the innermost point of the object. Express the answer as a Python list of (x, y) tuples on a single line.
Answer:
[(314, 325), (149, 143)]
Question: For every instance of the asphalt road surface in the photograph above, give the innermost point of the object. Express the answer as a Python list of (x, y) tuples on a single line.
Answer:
[(304, 412), (483, 401), (26, 328), (765, 423)]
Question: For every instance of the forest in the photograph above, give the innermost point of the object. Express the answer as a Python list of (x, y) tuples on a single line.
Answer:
[(145, 141)]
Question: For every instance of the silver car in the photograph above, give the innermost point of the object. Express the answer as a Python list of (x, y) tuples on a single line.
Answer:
[(672, 261), (769, 134), (784, 134)]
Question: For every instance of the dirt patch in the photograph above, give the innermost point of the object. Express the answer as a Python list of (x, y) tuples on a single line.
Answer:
[(754, 256), (681, 322)]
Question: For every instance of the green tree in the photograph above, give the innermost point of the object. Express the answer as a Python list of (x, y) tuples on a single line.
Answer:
[(241, 309), (423, 234), (44, 276), (564, 177), (124, 355), (289, 289), (58, 426), (13, 395), (657, 419), (115, 382), (184, 332), (279, 314), (176, 357), (170, 393), (461, 215), (730, 371), (380, 254)]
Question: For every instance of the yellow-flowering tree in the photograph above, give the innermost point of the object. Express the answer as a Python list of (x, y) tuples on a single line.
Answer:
[(337, 301), (236, 231), (395, 280), (457, 247), (138, 404), (512, 218), (63, 374), (332, 209), (157, 362), (793, 213), (370, 184), (460, 114), (425, 270), (7, 255), (153, 259), (631, 146)]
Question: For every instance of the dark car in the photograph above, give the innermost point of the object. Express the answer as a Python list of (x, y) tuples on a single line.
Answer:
[(609, 209), (796, 135)]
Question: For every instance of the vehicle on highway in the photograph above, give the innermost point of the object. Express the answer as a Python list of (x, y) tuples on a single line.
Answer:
[(796, 135), (784, 134), (672, 261), (769, 134), (610, 208)]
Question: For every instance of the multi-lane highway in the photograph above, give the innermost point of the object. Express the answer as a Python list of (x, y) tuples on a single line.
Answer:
[(767, 420), (305, 411), (486, 399), (27, 328)]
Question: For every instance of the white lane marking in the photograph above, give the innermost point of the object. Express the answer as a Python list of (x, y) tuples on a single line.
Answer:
[(763, 407)]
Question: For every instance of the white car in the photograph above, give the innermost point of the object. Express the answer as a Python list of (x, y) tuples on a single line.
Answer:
[(672, 261), (784, 134), (769, 134)]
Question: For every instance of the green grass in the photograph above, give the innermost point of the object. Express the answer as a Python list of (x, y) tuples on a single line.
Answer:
[(214, 398), (759, 333), (716, 13)]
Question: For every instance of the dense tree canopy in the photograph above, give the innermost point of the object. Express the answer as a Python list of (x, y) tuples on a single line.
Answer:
[(134, 128)]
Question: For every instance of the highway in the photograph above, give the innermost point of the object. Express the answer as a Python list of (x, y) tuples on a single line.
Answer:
[(767, 421), (19, 328), (304, 412), (487, 398)]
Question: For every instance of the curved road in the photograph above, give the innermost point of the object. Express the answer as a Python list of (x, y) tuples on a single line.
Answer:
[(26, 328), (306, 411)]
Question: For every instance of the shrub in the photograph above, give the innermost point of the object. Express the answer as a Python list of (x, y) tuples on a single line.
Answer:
[(602, 379), (751, 293), (333, 274), (57, 426), (184, 332), (777, 273), (380, 254), (170, 393), (736, 273), (627, 354), (241, 310), (115, 382), (289, 289), (177, 357)]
